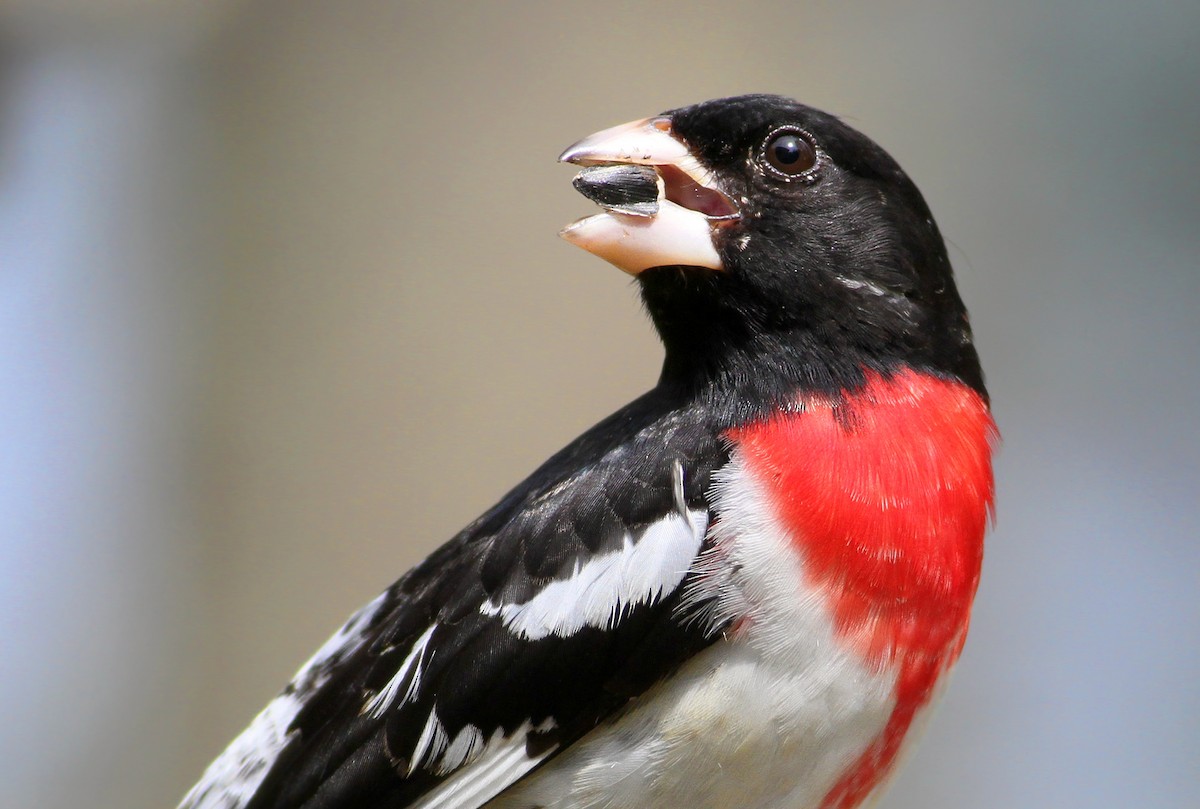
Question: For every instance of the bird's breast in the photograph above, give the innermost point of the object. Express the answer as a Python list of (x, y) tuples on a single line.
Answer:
[(877, 502)]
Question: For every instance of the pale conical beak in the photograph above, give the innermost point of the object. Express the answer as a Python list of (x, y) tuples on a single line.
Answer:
[(649, 221)]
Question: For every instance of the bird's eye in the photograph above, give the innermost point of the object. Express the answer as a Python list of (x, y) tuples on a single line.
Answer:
[(789, 153)]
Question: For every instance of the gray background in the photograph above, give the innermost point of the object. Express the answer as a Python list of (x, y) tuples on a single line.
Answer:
[(282, 307)]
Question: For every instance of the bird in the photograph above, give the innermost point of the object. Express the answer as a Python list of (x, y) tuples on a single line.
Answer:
[(747, 587)]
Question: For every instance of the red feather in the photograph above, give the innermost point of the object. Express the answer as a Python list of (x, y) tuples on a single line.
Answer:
[(887, 494)]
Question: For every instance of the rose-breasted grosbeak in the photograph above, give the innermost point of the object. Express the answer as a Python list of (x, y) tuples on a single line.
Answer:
[(740, 590)]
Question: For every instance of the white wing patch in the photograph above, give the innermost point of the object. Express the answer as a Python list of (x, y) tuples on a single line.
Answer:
[(606, 586), (410, 672), (494, 766), (231, 780)]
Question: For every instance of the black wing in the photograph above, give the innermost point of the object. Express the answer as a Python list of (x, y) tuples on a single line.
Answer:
[(508, 643)]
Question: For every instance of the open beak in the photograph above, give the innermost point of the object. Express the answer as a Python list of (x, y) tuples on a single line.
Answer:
[(661, 205)]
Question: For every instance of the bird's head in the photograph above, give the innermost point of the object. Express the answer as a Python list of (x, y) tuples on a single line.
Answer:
[(776, 247)]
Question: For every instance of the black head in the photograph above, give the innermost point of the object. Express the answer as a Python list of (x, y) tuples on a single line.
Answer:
[(831, 264)]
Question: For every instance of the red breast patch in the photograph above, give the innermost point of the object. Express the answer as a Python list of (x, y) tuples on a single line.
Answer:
[(887, 493)]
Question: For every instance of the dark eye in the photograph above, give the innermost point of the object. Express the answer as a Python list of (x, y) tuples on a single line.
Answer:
[(790, 154)]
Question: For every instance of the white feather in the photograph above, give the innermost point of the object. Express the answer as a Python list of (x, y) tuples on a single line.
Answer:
[(410, 672), (461, 751), (608, 585), (430, 746), (231, 780), (501, 762)]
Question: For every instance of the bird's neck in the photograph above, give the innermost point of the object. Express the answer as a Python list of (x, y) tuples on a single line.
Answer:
[(750, 375), (719, 349), (740, 351)]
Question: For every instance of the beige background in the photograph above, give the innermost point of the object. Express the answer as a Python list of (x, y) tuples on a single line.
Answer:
[(282, 307)]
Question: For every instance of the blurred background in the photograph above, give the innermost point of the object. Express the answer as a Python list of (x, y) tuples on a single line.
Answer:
[(282, 307)]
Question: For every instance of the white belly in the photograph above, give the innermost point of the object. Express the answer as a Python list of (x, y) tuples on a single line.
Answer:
[(768, 717)]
